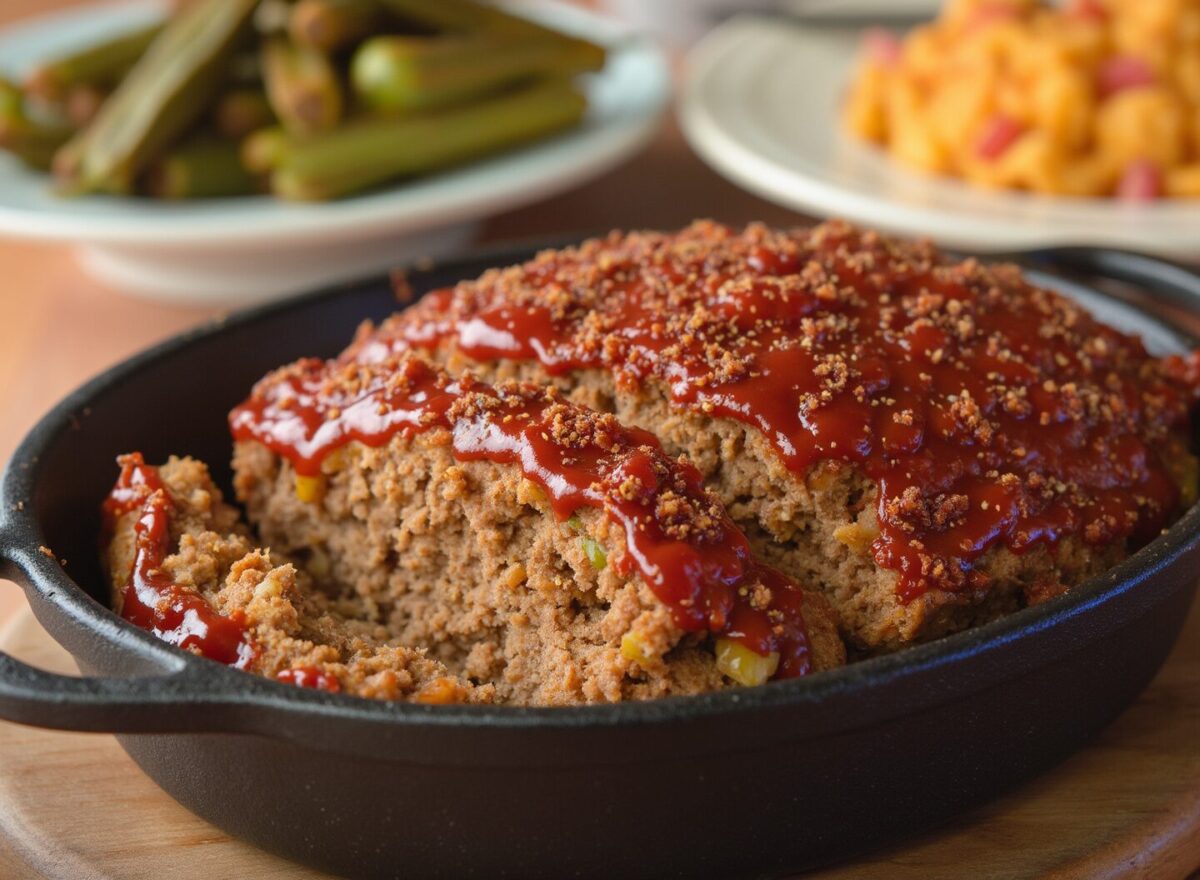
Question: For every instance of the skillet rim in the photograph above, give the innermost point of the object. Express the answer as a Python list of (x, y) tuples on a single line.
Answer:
[(21, 539)]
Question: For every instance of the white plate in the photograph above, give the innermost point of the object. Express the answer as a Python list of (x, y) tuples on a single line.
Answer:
[(761, 105), (252, 248)]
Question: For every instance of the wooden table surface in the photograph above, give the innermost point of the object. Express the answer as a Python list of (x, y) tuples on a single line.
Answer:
[(58, 326)]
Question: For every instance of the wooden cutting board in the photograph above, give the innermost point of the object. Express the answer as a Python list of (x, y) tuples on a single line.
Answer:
[(75, 807)]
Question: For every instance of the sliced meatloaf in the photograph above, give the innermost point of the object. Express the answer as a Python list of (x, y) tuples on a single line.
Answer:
[(930, 442), (183, 565), (443, 540)]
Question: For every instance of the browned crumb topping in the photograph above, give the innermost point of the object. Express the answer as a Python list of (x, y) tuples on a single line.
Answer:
[(1012, 414)]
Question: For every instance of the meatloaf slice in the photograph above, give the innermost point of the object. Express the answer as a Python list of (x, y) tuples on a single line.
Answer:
[(932, 443), (440, 539), (182, 564)]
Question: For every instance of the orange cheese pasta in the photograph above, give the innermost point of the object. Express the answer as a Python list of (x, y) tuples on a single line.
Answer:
[(1091, 98)]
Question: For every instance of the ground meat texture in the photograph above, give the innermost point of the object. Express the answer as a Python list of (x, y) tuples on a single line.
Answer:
[(299, 632), (466, 559), (401, 570), (931, 443), (819, 530), (522, 576)]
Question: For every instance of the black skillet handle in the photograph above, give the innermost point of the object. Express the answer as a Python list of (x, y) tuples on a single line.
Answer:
[(179, 701), (110, 705), (1167, 282)]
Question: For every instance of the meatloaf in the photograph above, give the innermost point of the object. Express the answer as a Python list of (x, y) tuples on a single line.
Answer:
[(438, 539), (930, 442), (660, 464)]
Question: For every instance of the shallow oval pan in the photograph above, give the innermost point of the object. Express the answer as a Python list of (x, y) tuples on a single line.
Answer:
[(743, 783)]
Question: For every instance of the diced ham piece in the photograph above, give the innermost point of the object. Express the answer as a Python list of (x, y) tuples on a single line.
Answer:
[(882, 46), (998, 135), (991, 13), (1091, 10), (1123, 72), (1141, 181)]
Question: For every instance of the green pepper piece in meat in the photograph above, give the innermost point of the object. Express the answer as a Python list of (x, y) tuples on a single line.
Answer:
[(595, 553)]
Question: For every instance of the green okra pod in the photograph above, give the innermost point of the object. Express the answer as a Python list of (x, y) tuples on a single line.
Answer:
[(302, 86), (12, 99), (328, 25), (263, 150), (204, 167), (165, 92), (102, 64), (82, 104), (241, 111), (373, 151), (467, 16), (405, 74), (32, 140)]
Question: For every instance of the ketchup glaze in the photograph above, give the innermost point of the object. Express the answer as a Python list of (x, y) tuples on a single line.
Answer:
[(151, 599), (989, 412), (677, 536)]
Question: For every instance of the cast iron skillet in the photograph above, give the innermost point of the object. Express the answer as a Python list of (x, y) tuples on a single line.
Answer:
[(744, 783)]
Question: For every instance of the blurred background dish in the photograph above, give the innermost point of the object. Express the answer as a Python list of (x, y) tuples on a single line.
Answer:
[(679, 23), (762, 104), (246, 249), (1083, 98)]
